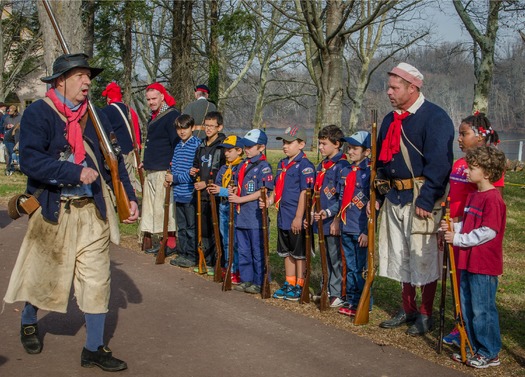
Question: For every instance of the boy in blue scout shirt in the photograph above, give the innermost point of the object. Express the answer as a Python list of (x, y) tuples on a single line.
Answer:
[(354, 196), (294, 173), (233, 151), (253, 173), (327, 179)]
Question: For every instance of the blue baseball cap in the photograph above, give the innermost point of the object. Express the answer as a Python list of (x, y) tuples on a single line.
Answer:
[(254, 137), (359, 139)]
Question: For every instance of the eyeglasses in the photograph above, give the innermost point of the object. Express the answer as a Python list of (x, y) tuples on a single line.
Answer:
[(210, 126)]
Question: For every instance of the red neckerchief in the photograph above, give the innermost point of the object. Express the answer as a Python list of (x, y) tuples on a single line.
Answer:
[(240, 177), (348, 192), (279, 183), (392, 141), (73, 129), (319, 179)]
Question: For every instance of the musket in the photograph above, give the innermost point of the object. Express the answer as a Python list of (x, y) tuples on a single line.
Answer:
[(265, 291), (227, 283), (460, 323), (305, 293), (110, 156), (363, 308), (202, 260), (444, 273), (324, 305), (216, 232), (161, 255), (136, 152)]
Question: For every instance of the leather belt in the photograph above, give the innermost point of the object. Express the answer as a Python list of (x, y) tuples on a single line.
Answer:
[(77, 202), (405, 184)]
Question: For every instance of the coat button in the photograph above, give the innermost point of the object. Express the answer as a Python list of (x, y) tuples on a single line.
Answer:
[(393, 170), (61, 185), (56, 214)]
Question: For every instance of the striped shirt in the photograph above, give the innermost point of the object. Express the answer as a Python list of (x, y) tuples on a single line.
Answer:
[(181, 163)]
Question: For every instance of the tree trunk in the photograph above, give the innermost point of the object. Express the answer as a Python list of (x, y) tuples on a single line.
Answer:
[(68, 14), (180, 82), (89, 25), (213, 63), (127, 54)]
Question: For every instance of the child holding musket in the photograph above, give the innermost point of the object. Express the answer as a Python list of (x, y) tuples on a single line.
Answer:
[(354, 197), (327, 179), (293, 174), (183, 191), (209, 157), (254, 173), (232, 147), (474, 131), (480, 238)]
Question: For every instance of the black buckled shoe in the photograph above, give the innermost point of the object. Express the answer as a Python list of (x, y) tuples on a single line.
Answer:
[(422, 325), (102, 358), (153, 250), (399, 319), (29, 338)]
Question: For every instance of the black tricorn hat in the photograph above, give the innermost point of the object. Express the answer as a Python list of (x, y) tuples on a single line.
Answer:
[(67, 62)]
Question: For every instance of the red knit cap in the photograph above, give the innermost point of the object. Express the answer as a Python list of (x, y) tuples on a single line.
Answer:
[(170, 101)]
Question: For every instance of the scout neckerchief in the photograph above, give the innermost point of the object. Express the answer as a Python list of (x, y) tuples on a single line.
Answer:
[(348, 192), (325, 166), (227, 176), (391, 144), (279, 183), (73, 129), (242, 173)]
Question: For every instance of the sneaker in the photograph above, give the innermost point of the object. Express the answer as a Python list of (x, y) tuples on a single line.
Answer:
[(243, 286), (253, 289), (452, 338), (281, 292), (481, 362), (208, 270), (294, 294), (102, 358), (347, 309), (236, 278), (211, 271), (336, 302), (456, 356), (183, 262)]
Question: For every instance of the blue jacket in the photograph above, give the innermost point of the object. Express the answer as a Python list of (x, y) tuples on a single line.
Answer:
[(119, 125), (161, 141), (431, 131), (42, 140)]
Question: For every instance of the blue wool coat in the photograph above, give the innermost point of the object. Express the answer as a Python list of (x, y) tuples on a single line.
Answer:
[(431, 131), (42, 140)]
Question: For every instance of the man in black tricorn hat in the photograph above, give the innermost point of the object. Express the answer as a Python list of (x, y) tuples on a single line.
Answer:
[(67, 239)]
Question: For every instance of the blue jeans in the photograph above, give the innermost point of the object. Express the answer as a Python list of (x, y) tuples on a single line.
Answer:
[(186, 237), (224, 219), (10, 150), (356, 262), (478, 303)]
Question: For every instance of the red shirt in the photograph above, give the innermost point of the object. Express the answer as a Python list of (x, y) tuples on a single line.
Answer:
[(484, 209), (460, 187)]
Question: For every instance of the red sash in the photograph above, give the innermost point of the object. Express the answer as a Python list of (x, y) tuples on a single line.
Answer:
[(392, 142), (348, 192), (279, 183)]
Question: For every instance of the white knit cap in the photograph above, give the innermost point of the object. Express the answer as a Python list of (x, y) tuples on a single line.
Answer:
[(408, 73)]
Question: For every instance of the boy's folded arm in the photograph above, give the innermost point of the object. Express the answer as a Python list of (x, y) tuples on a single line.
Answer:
[(475, 237)]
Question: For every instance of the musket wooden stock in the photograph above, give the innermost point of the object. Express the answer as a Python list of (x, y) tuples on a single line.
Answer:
[(227, 283), (305, 293), (265, 289), (202, 259), (324, 305), (363, 308), (444, 273), (161, 255), (460, 324), (110, 157), (216, 232)]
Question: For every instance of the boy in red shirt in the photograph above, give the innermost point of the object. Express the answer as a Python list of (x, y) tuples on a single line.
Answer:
[(480, 238)]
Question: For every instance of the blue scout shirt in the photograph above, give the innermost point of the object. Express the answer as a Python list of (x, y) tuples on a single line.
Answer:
[(330, 190), (296, 181), (356, 218), (257, 171)]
